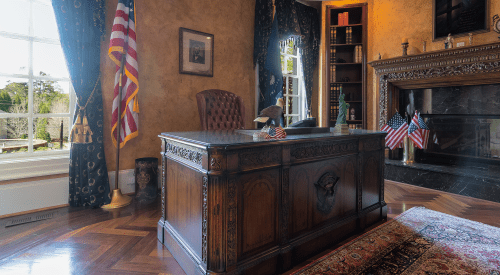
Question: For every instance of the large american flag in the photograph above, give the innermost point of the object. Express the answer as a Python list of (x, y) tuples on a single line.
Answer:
[(424, 132), (123, 41), (396, 130), (414, 131)]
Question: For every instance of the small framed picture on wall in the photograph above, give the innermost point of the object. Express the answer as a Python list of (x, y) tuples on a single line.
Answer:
[(459, 17), (196, 52)]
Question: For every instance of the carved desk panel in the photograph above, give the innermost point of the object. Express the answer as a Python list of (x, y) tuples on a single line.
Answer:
[(233, 205)]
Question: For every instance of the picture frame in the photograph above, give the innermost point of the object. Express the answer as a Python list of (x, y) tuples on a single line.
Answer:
[(459, 18), (196, 52)]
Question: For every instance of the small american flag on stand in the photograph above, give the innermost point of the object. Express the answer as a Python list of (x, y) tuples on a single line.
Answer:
[(396, 131), (414, 131), (424, 132), (276, 133)]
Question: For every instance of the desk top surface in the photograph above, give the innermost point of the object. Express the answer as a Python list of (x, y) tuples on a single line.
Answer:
[(245, 137)]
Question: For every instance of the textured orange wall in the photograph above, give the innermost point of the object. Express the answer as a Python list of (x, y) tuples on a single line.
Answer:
[(389, 21), (166, 98)]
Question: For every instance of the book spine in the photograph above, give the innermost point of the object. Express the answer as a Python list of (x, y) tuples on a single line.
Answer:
[(360, 54), (340, 19), (331, 36), (346, 18), (333, 55), (355, 55)]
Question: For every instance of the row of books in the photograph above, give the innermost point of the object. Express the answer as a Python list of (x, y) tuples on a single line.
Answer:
[(358, 54), (343, 18), (334, 35), (334, 100), (348, 35), (333, 73)]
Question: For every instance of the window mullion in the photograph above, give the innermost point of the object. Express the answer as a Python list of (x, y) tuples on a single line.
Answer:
[(30, 81)]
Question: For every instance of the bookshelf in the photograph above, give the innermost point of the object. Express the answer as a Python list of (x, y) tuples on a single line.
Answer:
[(346, 28)]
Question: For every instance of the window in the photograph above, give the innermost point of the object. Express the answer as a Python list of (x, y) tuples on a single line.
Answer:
[(36, 96), (293, 83)]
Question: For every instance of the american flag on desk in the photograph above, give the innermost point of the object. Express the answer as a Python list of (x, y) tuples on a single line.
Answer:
[(123, 41), (396, 130), (276, 133)]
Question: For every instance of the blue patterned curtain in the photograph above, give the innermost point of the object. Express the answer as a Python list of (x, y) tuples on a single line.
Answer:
[(294, 20), (81, 25)]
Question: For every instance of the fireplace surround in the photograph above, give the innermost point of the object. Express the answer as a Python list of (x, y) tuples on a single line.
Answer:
[(457, 92)]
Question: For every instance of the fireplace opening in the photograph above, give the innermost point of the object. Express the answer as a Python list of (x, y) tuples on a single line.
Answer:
[(464, 123)]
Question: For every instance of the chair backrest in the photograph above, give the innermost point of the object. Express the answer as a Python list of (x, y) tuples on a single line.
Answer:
[(220, 110)]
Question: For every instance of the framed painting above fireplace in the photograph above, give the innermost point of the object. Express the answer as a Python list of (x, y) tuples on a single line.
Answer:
[(459, 17)]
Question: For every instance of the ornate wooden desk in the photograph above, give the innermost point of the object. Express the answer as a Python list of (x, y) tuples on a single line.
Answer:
[(233, 205)]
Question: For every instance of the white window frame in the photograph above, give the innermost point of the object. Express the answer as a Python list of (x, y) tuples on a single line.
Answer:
[(33, 164), (301, 95)]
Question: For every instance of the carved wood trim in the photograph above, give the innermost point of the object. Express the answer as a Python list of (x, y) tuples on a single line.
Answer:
[(189, 153), (164, 174), (285, 205), (422, 70), (259, 157), (320, 149), (232, 223), (216, 239), (204, 221)]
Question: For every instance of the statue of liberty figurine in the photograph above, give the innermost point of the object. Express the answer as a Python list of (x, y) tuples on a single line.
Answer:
[(341, 124), (343, 108)]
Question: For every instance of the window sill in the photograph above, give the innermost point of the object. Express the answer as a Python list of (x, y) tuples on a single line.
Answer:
[(35, 166)]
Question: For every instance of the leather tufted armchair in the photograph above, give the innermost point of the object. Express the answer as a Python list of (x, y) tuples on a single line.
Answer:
[(220, 110)]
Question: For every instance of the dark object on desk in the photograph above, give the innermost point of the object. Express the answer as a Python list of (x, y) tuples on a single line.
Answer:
[(271, 113), (340, 60), (146, 179), (308, 122), (220, 110)]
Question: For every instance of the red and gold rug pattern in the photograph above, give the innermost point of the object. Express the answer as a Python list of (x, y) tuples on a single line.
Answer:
[(419, 241)]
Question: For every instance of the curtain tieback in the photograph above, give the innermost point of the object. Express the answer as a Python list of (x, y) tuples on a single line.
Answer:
[(81, 132)]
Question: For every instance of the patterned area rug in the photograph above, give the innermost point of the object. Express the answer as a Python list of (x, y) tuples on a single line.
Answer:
[(419, 241)]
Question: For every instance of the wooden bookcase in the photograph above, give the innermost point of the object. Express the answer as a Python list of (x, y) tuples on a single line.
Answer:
[(346, 61)]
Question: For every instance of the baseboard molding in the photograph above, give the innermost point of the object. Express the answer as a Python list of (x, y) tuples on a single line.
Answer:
[(38, 195)]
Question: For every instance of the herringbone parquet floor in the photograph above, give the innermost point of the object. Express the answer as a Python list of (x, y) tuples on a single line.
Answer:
[(123, 241)]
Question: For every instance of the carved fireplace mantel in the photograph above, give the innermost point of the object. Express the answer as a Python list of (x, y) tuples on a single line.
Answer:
[(473, 65)]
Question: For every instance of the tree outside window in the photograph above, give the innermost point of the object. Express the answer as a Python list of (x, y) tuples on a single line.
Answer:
[(36, 96)]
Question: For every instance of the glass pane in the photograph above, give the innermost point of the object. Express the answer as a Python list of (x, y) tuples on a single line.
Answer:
[(13, 135), (293, 86), (48, 59), (14, 16), (291, 65), (13, 95), (292, 105), (48, 132), (14, 56), (50, 97), (44, 21)]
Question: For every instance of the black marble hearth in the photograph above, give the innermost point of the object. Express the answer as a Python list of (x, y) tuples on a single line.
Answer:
[(482, 182)]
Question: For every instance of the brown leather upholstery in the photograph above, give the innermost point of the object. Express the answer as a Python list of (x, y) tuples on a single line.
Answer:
[(220, 110)]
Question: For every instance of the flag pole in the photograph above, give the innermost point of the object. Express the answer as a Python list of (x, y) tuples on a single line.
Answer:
[(118, 199)]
